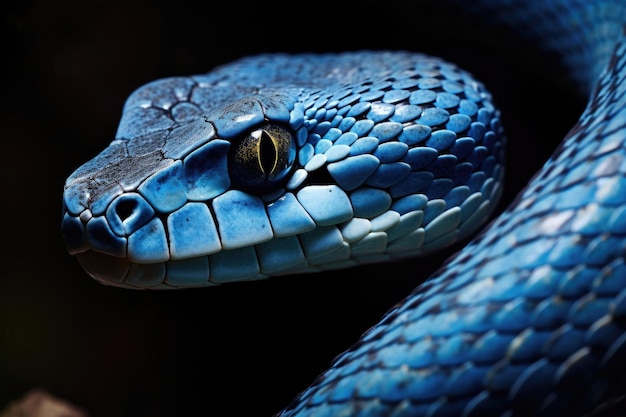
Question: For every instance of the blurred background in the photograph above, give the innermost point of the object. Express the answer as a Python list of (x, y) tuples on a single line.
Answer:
[(244, 349)]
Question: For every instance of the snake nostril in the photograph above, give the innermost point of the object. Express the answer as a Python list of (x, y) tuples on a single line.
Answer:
[(125, 209), (127, 213)]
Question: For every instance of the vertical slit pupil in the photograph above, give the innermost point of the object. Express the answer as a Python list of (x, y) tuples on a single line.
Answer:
[(267, 154)]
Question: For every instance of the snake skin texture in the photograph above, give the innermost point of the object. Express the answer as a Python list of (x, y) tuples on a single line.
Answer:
[(280, 164), (405, 159), (530, 319)]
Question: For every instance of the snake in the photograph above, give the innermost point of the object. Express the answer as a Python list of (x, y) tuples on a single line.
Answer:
[(280, 164)]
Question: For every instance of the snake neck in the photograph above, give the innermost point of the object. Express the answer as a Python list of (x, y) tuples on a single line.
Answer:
[(580, 35)]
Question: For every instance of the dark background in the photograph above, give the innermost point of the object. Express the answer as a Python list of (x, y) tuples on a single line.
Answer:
[(244, 349)]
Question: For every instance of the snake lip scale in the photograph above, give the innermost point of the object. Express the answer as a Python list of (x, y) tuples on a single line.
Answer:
[(280, 164)]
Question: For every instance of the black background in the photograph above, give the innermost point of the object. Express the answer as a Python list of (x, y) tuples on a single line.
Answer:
[(240, 349)]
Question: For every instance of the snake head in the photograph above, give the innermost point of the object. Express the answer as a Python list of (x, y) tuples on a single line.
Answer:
[(157, 198), (284, 178)]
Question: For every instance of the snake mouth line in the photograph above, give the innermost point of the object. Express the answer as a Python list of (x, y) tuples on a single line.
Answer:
[(358, 172), (344, 246)]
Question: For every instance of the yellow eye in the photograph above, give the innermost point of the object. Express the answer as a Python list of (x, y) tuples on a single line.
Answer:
[(262, 159)]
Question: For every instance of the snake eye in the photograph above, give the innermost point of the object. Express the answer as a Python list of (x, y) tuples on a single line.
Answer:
[(263, 158)]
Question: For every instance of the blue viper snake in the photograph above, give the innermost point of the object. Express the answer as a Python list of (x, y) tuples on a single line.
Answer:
[(283, 164)]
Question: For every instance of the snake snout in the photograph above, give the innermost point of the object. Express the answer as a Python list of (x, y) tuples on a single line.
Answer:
[(129, 217), (108, 243)]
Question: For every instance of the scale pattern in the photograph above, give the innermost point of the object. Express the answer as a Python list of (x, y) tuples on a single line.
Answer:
[(529, 319), (390, 160)]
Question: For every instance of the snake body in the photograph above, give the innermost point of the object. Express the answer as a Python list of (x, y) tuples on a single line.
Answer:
[(280, 164)]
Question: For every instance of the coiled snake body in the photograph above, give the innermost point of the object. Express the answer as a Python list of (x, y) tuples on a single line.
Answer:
[(280, 164)]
